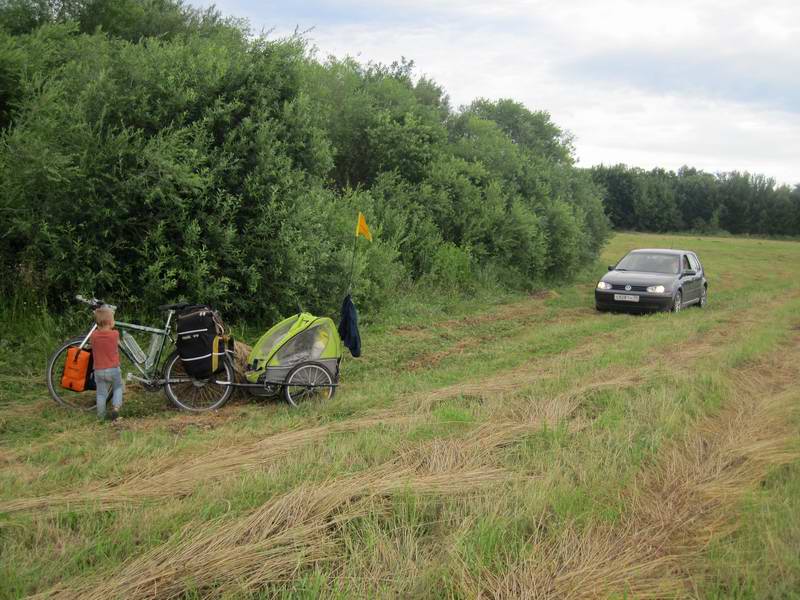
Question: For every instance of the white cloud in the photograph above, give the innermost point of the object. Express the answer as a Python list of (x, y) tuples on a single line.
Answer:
[(708, 83)]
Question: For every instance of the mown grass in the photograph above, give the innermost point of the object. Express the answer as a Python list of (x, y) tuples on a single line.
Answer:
[(574, 406)]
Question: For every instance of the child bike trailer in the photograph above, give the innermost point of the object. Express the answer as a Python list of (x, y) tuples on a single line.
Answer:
[(299, 356)]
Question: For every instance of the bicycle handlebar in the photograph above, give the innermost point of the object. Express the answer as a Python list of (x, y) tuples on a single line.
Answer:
[(94, 302)]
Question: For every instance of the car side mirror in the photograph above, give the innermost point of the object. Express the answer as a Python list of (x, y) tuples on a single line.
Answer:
[(611, 267), (689, 273)]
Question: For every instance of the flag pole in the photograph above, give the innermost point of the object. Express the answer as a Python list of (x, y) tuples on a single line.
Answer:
[(352, 265)]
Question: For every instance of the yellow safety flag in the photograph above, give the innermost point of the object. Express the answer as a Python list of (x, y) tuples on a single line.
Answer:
[(361, 227)]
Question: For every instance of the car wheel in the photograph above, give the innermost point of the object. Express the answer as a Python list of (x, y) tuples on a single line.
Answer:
[(703, 297), (677, 304)]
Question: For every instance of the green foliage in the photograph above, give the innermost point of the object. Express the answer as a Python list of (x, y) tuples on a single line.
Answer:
[(522, 243), (566, 239), (127, 19), (735, 202), (153, 152), (532, 131), (452, 268)]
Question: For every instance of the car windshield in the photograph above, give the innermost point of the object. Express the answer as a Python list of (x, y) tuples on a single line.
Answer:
[(650, 262)]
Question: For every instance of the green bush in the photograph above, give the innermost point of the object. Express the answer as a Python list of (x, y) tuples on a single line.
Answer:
[(452, 269), (150, 152), (566, 239)]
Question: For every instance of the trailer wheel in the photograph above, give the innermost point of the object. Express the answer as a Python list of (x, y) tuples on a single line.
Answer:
[(308, 382)]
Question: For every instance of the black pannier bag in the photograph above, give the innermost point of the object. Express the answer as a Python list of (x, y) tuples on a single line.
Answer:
[(202, 341)]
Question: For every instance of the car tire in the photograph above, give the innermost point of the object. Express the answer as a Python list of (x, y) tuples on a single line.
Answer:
[(703, 297), (677, 302)]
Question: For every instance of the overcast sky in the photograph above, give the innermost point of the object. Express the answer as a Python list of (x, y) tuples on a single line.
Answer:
[(713, 84)]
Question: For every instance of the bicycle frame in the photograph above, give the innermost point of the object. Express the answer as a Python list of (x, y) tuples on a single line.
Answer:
[(154, 359)]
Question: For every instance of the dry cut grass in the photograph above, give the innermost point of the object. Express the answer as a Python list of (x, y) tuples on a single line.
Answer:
[(174, 477), (272, 543), (301, 528), (674, 509)]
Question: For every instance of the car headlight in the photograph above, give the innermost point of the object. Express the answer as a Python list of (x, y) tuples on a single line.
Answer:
[(603, 286), (656, 289)]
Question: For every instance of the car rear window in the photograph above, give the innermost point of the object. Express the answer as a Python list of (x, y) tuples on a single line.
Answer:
[(650, 262)]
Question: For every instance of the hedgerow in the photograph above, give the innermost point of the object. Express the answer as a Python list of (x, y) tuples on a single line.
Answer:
[(150, 152)]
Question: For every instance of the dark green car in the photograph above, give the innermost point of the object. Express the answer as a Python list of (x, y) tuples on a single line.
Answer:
[(654, 279)]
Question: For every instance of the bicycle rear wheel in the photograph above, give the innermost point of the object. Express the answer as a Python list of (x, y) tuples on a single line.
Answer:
[(85, 401), (197, 395)]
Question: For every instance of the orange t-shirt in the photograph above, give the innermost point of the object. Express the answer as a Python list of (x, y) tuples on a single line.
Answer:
[(105, 352)]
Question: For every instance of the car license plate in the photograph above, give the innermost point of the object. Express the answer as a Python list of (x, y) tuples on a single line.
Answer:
[(626, 297)]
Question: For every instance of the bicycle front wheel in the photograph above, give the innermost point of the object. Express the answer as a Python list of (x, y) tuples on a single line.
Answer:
[(55, 369), (197, 395)]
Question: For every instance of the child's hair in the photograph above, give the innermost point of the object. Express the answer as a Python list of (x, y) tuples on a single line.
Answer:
[(104, 316)]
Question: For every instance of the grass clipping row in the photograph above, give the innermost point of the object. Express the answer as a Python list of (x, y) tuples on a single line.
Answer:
[(674, 509), (271, 544), (298, 529)]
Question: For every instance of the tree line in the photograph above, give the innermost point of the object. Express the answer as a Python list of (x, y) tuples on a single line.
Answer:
[(150, 151), (659, 200)]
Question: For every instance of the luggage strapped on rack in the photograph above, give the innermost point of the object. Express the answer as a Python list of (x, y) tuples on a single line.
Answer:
[(202, 341)]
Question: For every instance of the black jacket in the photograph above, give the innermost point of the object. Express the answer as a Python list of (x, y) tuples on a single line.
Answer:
[(348, 327)]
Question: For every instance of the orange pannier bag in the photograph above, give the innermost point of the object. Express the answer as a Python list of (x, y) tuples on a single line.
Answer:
[(76, 369)]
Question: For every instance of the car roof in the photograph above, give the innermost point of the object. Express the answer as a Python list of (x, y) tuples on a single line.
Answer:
[(662, 251)]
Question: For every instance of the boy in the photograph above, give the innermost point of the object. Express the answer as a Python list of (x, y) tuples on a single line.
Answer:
[(105, 353)]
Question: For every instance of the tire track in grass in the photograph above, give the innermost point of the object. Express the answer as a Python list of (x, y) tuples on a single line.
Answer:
[(674, 508), (176, 476), (299, 528), (448, 457), (258, 549), (531, 372), (269, 545)]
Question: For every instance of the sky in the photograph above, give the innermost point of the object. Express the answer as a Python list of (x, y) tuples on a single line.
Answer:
[(709, 83)]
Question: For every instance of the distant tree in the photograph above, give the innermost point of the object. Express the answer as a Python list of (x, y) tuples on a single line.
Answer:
[(661, 200), (625, 192), (736, 200), (656, 207), (778, 216), (795, 198), (697, 197)]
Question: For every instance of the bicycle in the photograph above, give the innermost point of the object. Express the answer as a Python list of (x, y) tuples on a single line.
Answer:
[(183, 391)]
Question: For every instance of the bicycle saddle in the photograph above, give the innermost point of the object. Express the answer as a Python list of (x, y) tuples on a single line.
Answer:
[(178, 306)]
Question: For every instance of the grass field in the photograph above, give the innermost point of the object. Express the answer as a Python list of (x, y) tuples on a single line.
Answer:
[(532, 448)]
